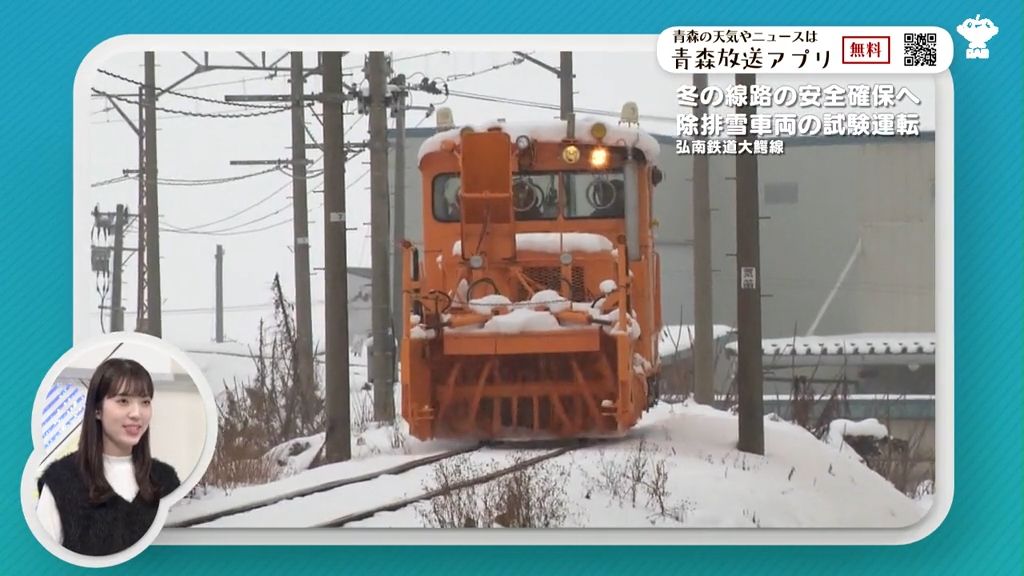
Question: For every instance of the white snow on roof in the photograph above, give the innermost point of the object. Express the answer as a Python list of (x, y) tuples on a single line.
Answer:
[(848, 344), (677, 338), (554, 243), (554, 131)]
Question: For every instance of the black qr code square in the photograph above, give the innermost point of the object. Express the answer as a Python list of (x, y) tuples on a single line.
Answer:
[(920, 49)]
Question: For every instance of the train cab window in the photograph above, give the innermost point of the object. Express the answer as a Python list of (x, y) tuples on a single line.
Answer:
[(445, 199), (591, 195), (535, 197)]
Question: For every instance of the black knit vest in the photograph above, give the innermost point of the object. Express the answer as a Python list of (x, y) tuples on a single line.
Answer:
[(108, 527)]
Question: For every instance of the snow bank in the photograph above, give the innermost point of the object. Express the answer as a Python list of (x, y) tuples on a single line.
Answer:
[(554, 131), (295, 456), (800, 482), (870, 428)]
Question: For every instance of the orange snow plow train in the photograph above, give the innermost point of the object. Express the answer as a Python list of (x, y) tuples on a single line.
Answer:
[(532, 308)]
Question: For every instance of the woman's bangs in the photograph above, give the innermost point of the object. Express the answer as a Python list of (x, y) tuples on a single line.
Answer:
[(132, 386)]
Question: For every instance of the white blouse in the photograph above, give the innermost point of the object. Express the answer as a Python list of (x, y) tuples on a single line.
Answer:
[(120, 474)]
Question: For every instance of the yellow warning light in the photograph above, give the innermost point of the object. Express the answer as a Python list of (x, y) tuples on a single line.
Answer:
[(598, 130), (571, 154), (599, 157)]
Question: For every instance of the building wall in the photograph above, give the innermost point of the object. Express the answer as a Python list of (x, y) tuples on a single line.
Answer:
[(880, 192)]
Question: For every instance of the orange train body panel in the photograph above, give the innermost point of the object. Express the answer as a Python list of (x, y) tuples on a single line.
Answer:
[(532, 307)]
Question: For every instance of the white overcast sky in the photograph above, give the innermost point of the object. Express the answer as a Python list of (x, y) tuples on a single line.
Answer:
[(198, 148)]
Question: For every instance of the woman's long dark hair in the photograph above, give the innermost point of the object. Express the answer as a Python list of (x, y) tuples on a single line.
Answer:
[(113, 377)]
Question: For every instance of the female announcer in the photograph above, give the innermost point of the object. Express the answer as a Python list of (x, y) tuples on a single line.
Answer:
[(104, 497)]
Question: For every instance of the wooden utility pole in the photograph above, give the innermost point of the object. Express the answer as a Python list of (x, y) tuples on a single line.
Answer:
[(748, 275), (339, 437), (383, 346), (152, 221), (116, 309), (219, 279), (300, 225), (703, 332)]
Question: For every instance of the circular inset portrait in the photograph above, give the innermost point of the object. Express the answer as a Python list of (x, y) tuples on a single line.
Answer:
[(123, 427)]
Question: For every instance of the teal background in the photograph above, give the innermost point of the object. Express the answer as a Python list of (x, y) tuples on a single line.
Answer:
[(43, 44)]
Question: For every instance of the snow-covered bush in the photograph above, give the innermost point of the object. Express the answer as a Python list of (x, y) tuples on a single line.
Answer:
[(531, 497), (643, 471), (269, 410)]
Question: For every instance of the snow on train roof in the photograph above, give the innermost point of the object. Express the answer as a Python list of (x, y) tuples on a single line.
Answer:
[(554, 131)]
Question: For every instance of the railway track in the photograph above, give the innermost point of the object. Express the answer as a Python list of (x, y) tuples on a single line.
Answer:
[(323, 487), (403, 468), (483, 479)]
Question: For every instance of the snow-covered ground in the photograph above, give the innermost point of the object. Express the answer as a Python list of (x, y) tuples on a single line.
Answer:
[(799, 482)]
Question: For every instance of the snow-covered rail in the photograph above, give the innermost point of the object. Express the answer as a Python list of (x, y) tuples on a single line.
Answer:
[(483, 479), (323, 487)]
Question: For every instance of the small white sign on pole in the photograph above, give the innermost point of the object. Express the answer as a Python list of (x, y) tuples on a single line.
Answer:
[(748, 278)]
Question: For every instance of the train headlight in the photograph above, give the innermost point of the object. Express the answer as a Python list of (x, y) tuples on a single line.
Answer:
[(599, 157), (571, 154), (598, 130), (523, 142)]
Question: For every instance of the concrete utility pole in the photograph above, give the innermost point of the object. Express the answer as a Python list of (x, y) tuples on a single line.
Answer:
[(398, 217), (300, 224), (142, 306), (703, 333), (219, 279), (564, 73), (748, 274), (152, 222), (339, 437), (383, 346), (116, 309), (565, 77)]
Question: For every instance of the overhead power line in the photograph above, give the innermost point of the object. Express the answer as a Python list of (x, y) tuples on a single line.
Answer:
[(194, 97), (246, 209), (196, 114), (513, 62), (188, 181), (176, 230), (236, 233)]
